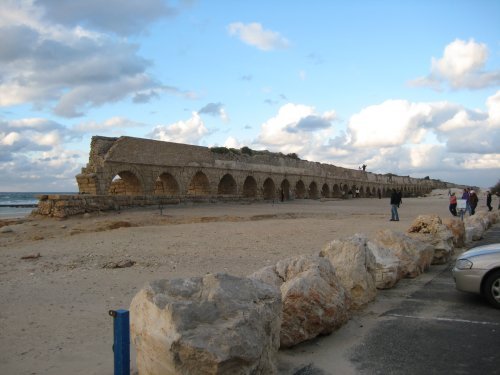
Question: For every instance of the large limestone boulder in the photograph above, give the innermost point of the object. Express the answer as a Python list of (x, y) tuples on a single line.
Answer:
[(457, 228), (430, 228), (387, 265), (314, 301), (475, 226), (415, 256), (473, 234), (355, 267), (216, 324), (493, 216)]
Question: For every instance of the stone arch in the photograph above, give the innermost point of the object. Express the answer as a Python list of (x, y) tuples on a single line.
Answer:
[(125, 183), (374, 191), (227, 185), (313, 190), (285, 190), (166, 184), (250, 187), (269, 189), (300, 190), (325, 191), (199, 185), (361, 191), (336, 191)]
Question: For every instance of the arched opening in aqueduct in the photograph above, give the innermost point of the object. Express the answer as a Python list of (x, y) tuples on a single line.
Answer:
[(227, 185), (313, 190), (285, 188), (199, 185), (250, 187), (166, 184), (269, 189), (325, 191), (125, 183), (300, 190), (336, 191)]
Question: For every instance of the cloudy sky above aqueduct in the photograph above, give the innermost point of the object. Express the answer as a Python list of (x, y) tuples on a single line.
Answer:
[(411, 88)]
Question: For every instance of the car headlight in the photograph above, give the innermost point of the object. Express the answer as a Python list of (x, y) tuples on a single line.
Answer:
[(463, 264)]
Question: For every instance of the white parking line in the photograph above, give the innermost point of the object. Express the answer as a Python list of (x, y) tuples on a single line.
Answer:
[(444, 319)]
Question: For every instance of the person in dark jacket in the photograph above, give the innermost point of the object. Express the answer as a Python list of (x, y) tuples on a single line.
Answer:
[(395, 202), (466, 196), (488, 200), (473, 202)]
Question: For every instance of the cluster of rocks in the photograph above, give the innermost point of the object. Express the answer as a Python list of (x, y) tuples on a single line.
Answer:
[(221, 324)]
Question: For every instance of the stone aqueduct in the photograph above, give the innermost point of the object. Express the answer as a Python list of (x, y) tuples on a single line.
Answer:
[(128, 171), (141, 167)]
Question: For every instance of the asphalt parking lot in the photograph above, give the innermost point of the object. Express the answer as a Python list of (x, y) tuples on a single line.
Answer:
[(423, 326)]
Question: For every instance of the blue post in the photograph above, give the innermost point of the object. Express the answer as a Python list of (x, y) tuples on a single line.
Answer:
[(121, 341)]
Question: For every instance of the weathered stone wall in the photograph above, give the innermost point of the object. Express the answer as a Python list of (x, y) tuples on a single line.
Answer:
[(61, 205), (130, 171)]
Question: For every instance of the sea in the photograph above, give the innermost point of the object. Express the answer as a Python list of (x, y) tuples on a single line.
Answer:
[(16, 205)]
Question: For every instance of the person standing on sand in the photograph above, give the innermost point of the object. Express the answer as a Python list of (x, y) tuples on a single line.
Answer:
[(488, 200), (473, 202), (395, 201), (453, 204), (465, 196)]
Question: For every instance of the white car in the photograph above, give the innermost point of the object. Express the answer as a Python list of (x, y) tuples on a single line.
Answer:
[(478, 271)]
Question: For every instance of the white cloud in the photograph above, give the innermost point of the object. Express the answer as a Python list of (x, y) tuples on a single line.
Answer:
[(460, 67), (396, 122), (255, 35), (190, 131), (33, 158), (232, 142), (66, 66), (51, 170), (296, 128), (426, 156), (488, 161), (493, 104), (460, 58), (29, 135), (122, 17), (9, 139), (396, 136)]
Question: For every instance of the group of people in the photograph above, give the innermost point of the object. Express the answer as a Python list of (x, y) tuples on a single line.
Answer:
[(471, 200), (469, 196)]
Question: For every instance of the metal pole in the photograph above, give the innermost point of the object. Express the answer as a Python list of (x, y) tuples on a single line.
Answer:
[(121, 341)]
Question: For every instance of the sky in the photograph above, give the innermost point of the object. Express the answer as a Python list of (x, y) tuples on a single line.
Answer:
[(405, 87)]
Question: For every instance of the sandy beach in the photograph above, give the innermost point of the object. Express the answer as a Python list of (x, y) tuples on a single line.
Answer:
[(54, 316)]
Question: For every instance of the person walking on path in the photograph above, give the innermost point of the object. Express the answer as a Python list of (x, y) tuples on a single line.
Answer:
[(473, 202), (395, 201), (453, 204), (488, 200)]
